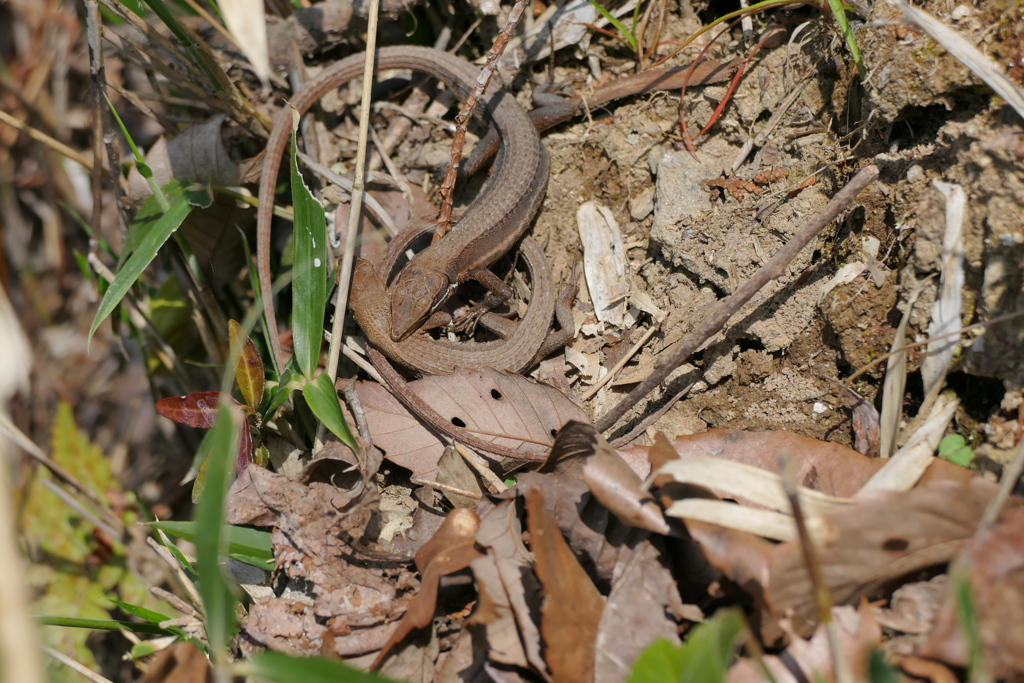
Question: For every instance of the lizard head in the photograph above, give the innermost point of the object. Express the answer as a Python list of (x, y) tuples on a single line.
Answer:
[(415, 294)]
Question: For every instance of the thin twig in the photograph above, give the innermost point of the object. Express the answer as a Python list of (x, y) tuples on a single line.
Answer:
[(75, 665), (1011, 475), (728, 307), (39, 136), (822, 597), (358, 193), (626, 357), (444, 220)]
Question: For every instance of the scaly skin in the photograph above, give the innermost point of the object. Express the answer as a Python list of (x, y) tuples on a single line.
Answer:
[(489, 228)]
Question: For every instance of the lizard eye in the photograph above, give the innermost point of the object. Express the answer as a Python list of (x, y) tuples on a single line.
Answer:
[(416, 294)]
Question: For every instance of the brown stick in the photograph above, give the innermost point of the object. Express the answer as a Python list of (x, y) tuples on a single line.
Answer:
[(728, 307), (444, 220)]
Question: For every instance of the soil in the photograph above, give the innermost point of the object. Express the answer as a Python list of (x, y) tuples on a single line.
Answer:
[(919, 115)]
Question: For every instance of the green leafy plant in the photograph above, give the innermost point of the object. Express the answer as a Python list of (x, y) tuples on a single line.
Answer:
[(954, 448), (704, 657)]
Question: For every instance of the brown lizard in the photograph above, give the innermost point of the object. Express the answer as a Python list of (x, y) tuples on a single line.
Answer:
[(490, 226), (528, 342)]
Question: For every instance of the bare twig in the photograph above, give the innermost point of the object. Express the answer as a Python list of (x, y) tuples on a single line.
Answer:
[(444, 220), (728, 307), (75, 665), (1011, 474), (358, 193)]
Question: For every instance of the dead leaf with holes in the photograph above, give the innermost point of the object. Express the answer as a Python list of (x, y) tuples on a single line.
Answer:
[(992, 563), (862, 547), (572, 605), (451, 549), (487, 402)]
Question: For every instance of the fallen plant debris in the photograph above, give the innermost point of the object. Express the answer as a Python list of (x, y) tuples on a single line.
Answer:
[(771, 409)]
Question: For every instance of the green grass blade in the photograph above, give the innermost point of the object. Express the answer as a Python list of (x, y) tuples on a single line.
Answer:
[(160, 226), (211, 544), (626, 33), (169, 20), (323, 401), (140, 612), (240, 540), (839, 11), (309, 282), (278, 667), (105, 625)]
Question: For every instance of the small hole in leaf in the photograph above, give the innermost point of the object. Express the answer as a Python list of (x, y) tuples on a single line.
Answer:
[(495, 394), (458, 423), (895, 544), (553, 433)]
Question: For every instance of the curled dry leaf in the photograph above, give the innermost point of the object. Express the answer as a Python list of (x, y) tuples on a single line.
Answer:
[(489, 402), (330, 605), (820, 465), (451, 549), (501, 533), (992, 563), (572, 605), (608, 477)]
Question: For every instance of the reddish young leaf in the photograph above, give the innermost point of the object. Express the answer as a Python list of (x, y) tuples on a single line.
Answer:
[(197, 410), (249, 372)]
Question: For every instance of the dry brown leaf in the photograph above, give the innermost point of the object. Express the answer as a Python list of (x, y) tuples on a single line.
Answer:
[(494, 613), (820, 465), (330, 605), (451, 549), (594, 535), (993, 564), (182, 662), (489, 402), (608, 476), (877, 540), (859, 634), (454, 471), (196, 153), (572, 606), (644, 604), (501, 533), (913, 607)]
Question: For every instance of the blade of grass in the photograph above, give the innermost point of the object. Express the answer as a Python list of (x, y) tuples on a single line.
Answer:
[(281, 668), (239, 540), (105, 625), (323, 401), (839, 12), (218, 600), (309, 280), (163, 225), (626, 33)]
